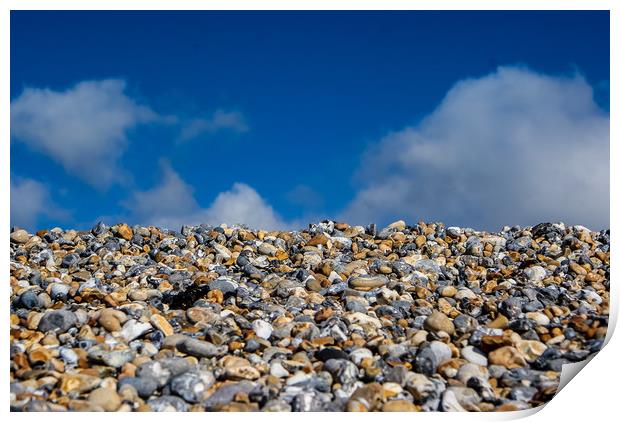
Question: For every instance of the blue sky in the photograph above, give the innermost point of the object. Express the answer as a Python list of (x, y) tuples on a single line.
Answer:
[(275, 119)]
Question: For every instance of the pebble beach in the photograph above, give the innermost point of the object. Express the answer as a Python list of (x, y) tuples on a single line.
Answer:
[(411, 317)]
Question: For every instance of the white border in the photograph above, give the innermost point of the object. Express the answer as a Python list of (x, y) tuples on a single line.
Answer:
[(591, 396)]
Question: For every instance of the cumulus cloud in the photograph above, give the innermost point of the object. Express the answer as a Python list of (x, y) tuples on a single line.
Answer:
[(172, 204), (83, 128), (220, 120), (512, 147), (30, 200)]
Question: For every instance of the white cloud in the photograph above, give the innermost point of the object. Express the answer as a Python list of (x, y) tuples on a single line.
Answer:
[(220, 120), (172, 204), (513, 147), (31, 200), (83, 128)]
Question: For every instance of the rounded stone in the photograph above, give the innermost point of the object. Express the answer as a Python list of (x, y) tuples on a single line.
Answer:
[(438, 321)]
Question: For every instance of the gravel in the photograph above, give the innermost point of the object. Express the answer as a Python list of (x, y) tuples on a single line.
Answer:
[(331, 318)]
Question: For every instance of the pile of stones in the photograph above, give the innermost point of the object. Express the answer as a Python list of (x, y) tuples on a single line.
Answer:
[(332, 318)]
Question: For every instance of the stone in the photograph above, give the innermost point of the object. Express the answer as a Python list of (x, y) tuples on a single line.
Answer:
[(508, 357), (538, 317), (577, 269), (125, 231), (226, 393), (419, 385), (438, 321), (224, 284), (78, 383), (59, 291), (111, 319), (58, 321), (366, 283), (262, 328), (134, 329), (20, 236), (267, 249), (168, 404), (144, 387), (472, 356), (471, 370), (426, 361), (106, 398), (113, 358), (535, 273), (441, 350), (200, 348), (448, 291), (29, 299), (192, 386), (500, 322), (530, 349), (159, 371), (162, 324), (277, 370), (223, 251), (319, 239), (399, 406), (245, 372)]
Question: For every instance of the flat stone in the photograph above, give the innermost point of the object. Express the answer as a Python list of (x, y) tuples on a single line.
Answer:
[(366, 283), (201, 349)]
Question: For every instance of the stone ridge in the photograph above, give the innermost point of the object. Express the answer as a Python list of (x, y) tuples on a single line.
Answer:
[(336, 317)]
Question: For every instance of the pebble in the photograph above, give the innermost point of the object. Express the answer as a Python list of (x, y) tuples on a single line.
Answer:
[(125, 231), (167, 404), (367, 283), (113, 358), (262, 328), (58, 321), (192, 386), (441, 350), (535, 273), (399, 406), (224, 285), (20, 236), (105, 398), (472, 356), (438, 321), (134, 329), (29, 299), (162, 324), (111, 319), (508, 357), (200, 348)]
